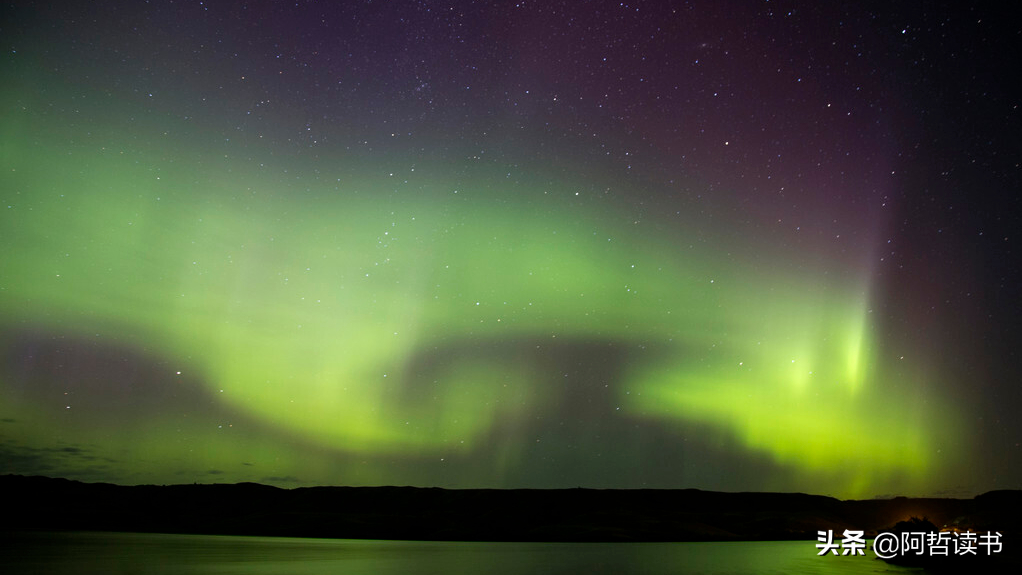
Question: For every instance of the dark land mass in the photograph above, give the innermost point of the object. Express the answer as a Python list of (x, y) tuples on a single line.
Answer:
[(412, 513)]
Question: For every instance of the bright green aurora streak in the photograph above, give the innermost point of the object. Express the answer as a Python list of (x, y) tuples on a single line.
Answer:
[(314, 308)]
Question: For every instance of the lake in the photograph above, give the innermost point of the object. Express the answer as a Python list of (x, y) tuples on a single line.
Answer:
[(85, 553)]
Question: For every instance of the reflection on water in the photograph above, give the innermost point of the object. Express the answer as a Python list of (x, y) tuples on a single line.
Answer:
[(129, 553)]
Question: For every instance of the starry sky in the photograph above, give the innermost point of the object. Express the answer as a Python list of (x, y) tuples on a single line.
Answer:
[(740, 246)]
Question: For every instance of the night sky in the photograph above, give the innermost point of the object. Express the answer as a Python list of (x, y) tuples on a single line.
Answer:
[(722, 245)]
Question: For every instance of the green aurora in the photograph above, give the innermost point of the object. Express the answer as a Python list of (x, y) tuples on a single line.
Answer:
[(333, 324)]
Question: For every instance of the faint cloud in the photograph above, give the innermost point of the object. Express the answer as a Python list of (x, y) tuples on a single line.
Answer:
[(67, 461)]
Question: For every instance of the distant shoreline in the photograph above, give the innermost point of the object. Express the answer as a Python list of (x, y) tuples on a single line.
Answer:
[(435, 514)]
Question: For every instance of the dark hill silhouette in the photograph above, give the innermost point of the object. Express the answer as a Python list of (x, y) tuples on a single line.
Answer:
[(477, 514)]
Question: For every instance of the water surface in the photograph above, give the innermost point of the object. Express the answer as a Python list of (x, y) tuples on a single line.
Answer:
[(88, 553)]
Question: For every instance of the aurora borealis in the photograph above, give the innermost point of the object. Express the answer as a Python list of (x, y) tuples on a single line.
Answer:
[(739, 246)]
